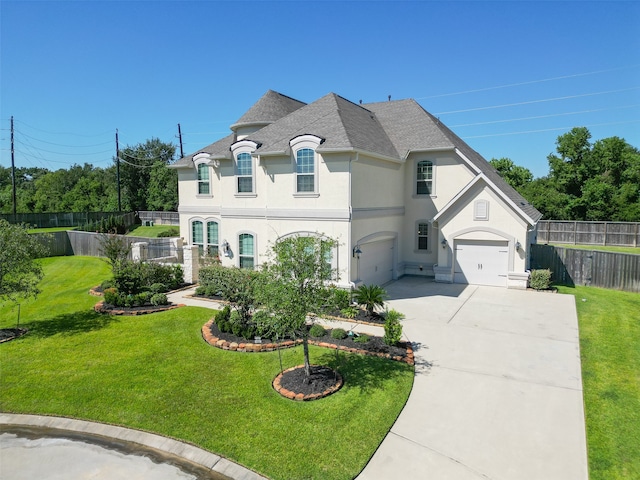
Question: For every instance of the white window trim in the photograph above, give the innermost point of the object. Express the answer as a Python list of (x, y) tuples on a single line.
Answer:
[(255, 247), (205, 233), (416, 243), (244, 146), (415, 179), (298, 143), (203, 159)]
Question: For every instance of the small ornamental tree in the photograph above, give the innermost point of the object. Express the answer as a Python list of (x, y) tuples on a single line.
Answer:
[(20, 274), (293, 283)]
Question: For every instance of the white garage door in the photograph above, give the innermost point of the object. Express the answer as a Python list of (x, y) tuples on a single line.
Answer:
[(481, 262), (376, 262)]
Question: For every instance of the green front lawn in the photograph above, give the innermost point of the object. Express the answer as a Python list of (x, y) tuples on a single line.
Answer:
[(155, 373), (610, 351), (150, 232)]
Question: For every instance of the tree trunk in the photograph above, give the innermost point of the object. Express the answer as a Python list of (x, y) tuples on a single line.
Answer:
[(307, 365)]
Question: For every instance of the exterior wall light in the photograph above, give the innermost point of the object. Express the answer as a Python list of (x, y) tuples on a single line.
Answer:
[(518, 246), (444, 243), (357, 251), (225, 248)]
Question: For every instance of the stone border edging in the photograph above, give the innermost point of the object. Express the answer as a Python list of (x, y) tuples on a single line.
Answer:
[(270, 347), (100, 308), (300, 397), (187, 452)]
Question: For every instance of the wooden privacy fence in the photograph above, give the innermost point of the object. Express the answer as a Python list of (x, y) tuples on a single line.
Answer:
[(64, 219), (160, 218), (72, 242), (619, 271), (589, 233)]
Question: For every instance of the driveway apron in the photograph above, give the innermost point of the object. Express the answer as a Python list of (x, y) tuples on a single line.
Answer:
[(497, 392)]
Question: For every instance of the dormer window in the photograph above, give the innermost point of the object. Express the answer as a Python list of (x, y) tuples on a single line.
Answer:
[(244, 165), (305, 171), (305, 164), (204, 187)]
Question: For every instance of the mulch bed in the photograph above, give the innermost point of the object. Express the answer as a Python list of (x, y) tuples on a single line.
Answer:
[(403, 352), (295, 385), (102, 307), (7, 334)]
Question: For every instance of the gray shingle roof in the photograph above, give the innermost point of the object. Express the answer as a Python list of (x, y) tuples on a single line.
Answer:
[(343, 124), (271, 107), (389, 129)]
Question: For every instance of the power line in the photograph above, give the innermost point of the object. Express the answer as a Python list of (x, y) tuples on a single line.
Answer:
[(64, 153), (63, 133), (549, 129), (538, 101), (536, 117), (530, 82), (62, 145)]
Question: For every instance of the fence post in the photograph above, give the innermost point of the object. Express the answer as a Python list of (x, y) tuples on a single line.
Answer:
[(139, 251), (191, 264)]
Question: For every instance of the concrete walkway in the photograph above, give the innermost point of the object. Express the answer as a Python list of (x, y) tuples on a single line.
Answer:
[(497, 392)]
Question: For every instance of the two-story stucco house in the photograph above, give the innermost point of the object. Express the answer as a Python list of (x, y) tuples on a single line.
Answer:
[(399, 191)]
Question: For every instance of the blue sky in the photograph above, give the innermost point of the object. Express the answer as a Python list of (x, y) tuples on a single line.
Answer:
[(508, 77)]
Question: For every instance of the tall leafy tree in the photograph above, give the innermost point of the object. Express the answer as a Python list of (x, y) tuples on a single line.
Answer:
[(20, 274), (136, 166), (293, 283), (514, 175)]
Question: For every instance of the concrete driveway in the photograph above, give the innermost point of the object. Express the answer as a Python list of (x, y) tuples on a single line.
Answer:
[(498, 388)]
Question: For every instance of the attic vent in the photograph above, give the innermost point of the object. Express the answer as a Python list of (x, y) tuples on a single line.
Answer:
[(481, 210)]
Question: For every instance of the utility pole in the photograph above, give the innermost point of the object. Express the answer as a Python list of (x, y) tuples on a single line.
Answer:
[(180, 137), (118, 172), (13, 173)]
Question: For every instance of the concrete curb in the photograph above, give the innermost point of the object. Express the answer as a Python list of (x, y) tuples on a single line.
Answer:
[(183, 451)]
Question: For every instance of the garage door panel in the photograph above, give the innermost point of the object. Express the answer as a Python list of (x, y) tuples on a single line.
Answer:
[(481, 263), (376, 262)]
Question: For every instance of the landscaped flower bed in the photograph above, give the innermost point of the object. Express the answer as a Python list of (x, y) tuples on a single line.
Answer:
[(375, 346)]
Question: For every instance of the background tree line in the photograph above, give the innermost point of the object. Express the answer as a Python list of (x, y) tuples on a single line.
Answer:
[(145, 184), (586, 181)]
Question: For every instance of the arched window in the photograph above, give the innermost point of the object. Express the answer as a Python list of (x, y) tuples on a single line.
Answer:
[(246, 251), (305, 171), (244, 172), (212, 238), (203, 179), (197, 237)]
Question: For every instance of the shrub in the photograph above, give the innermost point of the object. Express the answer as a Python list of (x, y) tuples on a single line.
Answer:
[(392, 327), (201, 290), (349, 312), (107, 284), (159, 299), (145, 298), (158, 288), (172, 232), (338, 333), (362, 338), (540, 279), (128, 277), (317, 331), (370, 296), (111, 296), (264, 324), (222, 319)]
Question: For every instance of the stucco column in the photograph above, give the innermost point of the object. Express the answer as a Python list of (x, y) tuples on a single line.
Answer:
[(139, 251), (191, 264)]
